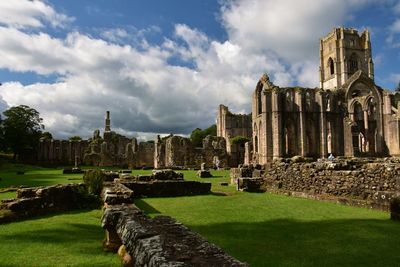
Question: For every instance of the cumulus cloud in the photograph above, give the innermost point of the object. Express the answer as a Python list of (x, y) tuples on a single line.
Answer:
[(172, 87), (25, 13)]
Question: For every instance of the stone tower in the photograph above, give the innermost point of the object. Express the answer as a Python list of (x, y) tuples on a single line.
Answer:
[(343, 52), (107, 122)]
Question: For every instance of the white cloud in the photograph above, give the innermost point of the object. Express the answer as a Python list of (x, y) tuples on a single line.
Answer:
[(25, 13), (173, 87)]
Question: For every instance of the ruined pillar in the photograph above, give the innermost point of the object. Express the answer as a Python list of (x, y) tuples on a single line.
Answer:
[(323, 142), (302, 124), (276, 125)]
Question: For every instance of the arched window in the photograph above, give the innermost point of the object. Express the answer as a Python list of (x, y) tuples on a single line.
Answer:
[(331, 66), (358, 112), (353, 63), (255, 138), (259, 103)]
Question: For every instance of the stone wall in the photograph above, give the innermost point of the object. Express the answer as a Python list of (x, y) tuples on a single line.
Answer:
[(359, 182), (161, 241), (167, 188), (117, 150), (45, 200), (230, 125), (51, 151), (179, 152)]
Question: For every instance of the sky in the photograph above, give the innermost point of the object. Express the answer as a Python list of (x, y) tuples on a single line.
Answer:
[(163, 67)]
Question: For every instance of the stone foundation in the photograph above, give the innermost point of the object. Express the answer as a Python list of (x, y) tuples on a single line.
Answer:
[(44, 200), (168, 188), (161, 241), (369, 183)]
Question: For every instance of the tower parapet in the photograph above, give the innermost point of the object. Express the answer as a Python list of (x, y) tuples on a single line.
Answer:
[(342, 53)]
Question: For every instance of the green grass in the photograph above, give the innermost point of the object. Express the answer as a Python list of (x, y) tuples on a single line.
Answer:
[(70, 239), (261, 229), (274, 230)]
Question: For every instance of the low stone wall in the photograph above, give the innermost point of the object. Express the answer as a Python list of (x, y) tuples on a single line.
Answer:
[(246, 171), (360, 182), (44, 200), (161, 241), (167, 188)]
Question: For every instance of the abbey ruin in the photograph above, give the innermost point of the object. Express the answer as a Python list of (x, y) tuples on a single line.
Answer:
[(348, 115)]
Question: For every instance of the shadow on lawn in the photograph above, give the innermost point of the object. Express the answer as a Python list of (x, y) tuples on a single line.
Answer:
[(318, 243), (148, 209), (65, 236)]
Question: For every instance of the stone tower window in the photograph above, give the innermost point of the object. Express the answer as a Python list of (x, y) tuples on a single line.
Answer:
[(331, 66), (308, 100), (353, 63)]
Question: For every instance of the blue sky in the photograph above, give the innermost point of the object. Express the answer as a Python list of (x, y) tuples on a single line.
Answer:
[(164, 66)]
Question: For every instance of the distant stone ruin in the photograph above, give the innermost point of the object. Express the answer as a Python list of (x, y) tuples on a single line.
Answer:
[(179, 152), (113, 149)]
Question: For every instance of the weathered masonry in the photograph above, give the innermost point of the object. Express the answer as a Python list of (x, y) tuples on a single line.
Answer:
[(229, 126), (348, 116)]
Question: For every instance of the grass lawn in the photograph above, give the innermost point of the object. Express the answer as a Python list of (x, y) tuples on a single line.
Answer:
[(69, 239), (273, 230), (261, 229)]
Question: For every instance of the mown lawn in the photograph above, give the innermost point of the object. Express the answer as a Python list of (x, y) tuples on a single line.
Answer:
[(273, 230), (259, 228), (69, 239)]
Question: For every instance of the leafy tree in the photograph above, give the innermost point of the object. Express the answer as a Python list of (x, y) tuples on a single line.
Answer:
[(47, 136), (239, 140), (398, 88), (75, 138), (22, 129), (2, 143), (198, 135)]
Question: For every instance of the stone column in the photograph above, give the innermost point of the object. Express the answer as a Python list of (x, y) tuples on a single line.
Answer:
[(323, 141), (302, 124), (276, 126), (366, 137)]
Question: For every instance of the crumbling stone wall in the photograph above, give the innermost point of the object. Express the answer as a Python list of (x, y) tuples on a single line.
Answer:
[(230, 125), (179, 152), (45, 200), (359, 182), (117, 150), (161, 241), (52, 151)]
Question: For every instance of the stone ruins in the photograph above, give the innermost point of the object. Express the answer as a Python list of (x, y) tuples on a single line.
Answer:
[(231, 125), (113, 149), (349, 115), (349, 124)]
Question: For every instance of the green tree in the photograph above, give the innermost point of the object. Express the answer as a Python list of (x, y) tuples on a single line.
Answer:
[(398, 88), (239, 140), (75, 138), (2, 143), (22, 128), (198, 135), (47, 136)]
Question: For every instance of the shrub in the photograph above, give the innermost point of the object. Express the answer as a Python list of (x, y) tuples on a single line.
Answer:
[(239, 140), (94, 180)]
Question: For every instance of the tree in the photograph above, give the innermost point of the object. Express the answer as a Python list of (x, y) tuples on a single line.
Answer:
[(22, 129), (239, 140), (47, 136), (2, 143), (398, 88), (198, 135), (75, 138)]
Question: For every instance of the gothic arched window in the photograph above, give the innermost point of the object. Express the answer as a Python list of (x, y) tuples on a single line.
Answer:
[(353, 63), (331, 66)]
